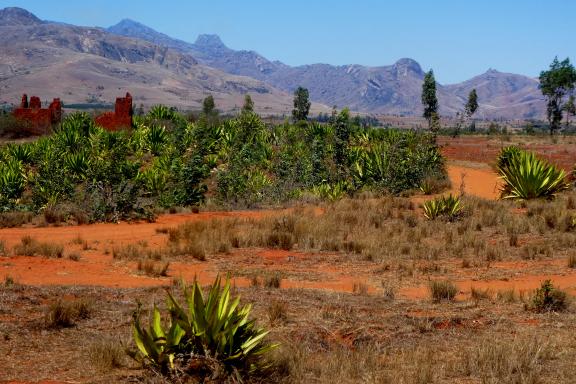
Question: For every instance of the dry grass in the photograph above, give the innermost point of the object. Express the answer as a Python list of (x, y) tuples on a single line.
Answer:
[(106, 355), (153, 269), (442, 290), (32, 247), (519, 361), (391, 230), (63, 314)]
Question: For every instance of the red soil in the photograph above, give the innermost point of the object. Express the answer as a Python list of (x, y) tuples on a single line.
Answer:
[(299, 270), (478, 182), (485, 150)]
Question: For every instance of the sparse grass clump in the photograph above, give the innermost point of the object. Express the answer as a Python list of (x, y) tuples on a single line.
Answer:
[(151, 268), (64, 314), (442, 290), (273, 281), (31, 247), (106, 355)]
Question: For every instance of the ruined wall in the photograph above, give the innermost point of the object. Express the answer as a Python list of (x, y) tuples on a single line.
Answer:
[(121, 118), (38, 120)]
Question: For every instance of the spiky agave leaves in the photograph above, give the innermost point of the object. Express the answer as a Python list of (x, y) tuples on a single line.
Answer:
[(12, 179), (217, 327), (449, 207), (157, 347), (525, 176)]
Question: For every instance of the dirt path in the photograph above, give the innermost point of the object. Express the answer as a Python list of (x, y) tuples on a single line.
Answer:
[(480, 182)]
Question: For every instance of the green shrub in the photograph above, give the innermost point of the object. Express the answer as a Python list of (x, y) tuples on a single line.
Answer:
[(548, 298), (525, 176), (448, 207), (211, 337)]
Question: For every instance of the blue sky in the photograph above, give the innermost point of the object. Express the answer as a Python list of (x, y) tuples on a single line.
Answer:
[(457, 38)]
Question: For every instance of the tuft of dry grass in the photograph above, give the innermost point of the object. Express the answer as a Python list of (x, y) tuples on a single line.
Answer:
[(106, 355), (442, 290), (64, 314), (31, 247), (150, 268), (273, 281), (572, 261)]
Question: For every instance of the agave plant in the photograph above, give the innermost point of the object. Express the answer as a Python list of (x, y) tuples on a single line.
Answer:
[(12, 179), (21, 152), (157, 347), (216, 327), (157, 138), (525, 176), (449, 207), (331, 192), (78, 164)]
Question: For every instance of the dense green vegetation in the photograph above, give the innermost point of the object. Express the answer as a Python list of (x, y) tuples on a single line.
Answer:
[(85, 173)]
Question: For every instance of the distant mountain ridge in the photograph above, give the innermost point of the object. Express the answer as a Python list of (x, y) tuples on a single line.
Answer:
[(81, 64), (81, 61), (393, 89)]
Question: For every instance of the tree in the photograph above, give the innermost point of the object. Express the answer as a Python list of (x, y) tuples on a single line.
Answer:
[(555, 84), (472, 104), (248, 104), (208, 105), (209, 116), (570, 108), (301, 104), (341, 140), (429, 99)]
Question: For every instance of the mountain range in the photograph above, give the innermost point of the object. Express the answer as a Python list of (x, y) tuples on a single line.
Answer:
[(83, 64)]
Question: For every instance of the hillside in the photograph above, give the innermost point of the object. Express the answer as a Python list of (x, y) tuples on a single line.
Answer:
[(82, 65)]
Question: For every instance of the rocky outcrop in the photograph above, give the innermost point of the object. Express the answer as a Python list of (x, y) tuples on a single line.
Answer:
[(38, 120)]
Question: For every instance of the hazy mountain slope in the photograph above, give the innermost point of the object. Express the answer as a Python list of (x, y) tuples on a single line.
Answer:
[(82, 64), (393, 89)]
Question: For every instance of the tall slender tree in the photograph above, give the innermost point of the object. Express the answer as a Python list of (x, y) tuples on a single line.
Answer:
[(248, 104), (429, 99), (472, 104), (555, 84), (301, 104)]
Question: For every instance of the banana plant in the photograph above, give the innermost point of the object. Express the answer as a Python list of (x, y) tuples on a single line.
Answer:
[(156, 346)]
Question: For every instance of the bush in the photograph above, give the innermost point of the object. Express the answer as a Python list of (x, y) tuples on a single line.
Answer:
[(448, 207), (548, 298), (525, 176), (212, 337)]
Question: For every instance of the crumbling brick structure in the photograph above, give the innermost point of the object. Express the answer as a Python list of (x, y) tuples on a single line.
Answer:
[(39, 120), (120, 118)]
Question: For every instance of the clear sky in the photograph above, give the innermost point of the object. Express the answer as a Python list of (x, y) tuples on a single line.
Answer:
[(457, 38)]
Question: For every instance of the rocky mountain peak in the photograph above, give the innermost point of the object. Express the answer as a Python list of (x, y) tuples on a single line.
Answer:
[(210, 41), (406, 65), (14, 16)]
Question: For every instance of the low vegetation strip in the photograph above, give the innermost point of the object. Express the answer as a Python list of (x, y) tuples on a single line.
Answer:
[(82, 173)]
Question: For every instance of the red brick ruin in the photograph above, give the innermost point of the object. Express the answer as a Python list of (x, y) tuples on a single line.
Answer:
[(120, 118), (39, 119)]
